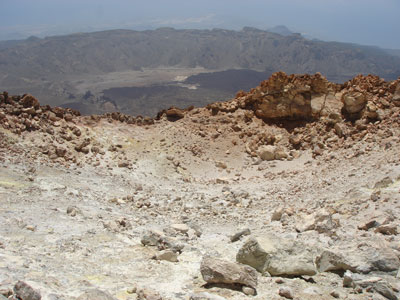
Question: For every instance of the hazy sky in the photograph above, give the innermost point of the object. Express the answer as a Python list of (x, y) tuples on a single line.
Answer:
[(370, 22)]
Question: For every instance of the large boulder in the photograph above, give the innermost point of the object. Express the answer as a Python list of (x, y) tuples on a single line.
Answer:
[(353, 102), (217, 271), (278, 257), (329, 261), (358, 260), (326, 105), (285, 96)]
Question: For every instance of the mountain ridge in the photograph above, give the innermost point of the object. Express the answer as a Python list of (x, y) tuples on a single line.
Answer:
[(114, 50), (61, 70)]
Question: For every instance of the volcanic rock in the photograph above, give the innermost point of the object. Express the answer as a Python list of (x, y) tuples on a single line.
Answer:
[(174, 114), (278, 257), (158, 239), (396, 96), (283, 96), (167, 255), (30, 101), (148, 294), (285, 292), (216, 270), (267, 152), (328, 261), (375, 284), (240, 234), (23, 291), (353, 102)]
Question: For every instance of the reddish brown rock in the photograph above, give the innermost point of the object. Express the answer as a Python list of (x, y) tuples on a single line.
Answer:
[(396, 95), (281, 96), (81, 147), (175, 113), (30, 101), (353, 102)]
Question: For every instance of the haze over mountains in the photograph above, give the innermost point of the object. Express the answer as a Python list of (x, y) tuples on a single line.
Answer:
[(76, 69)]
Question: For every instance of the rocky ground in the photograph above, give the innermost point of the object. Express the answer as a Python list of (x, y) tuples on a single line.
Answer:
[(290, 191)]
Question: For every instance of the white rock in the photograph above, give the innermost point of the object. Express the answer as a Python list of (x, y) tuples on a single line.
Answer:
[(167, 255), (182, 228), (267, 152), (278, 256), (216, 270)]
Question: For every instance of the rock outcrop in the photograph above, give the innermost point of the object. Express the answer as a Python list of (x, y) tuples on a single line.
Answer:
[(219, 271), (278, 257), (308, 97), (368, 97), (281, 96)]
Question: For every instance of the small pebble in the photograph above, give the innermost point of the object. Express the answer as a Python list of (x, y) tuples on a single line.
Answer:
[(286, 292), (249, 291), (30, 227), (335, 294), (132, 290), (279, 281)]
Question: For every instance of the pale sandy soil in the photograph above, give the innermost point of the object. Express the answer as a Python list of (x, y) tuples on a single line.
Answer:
[(64, 255)]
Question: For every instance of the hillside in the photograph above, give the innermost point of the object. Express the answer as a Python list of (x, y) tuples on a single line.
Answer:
[(288, 191), (62, 69), (119, 50), (394, 52)]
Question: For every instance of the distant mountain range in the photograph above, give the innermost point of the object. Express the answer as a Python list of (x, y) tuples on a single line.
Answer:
[(281, 29), (394, 52), (56, 60), (117, 50)]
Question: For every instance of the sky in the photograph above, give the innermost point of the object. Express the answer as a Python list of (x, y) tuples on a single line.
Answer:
[(367, 22)]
